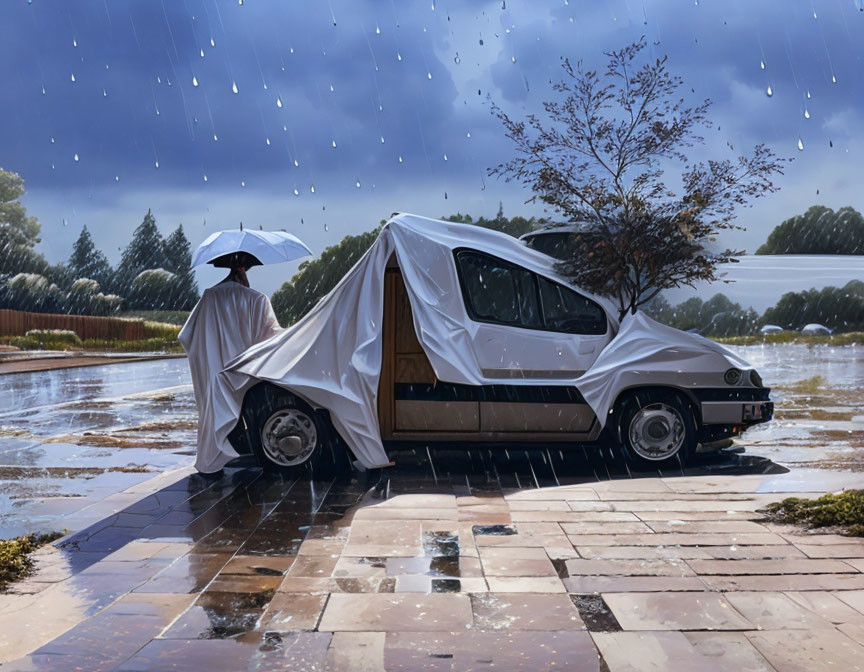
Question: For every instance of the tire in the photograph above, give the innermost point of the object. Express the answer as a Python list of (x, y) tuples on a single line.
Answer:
[(656, 428), (288, 437)]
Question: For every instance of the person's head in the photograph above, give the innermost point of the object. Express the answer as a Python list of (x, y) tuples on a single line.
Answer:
[(237, 264)]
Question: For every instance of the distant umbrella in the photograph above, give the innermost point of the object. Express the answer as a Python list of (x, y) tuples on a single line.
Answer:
[(267, 247)]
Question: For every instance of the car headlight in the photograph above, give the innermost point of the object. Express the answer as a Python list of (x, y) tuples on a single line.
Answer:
[(756, 379), (732, 376)]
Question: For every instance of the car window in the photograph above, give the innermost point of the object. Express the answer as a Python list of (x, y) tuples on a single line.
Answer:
[(496, 291), (567, 311)]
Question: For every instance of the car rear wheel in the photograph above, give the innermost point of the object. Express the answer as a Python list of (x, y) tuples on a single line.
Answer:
[(289, 437), (656, 428)]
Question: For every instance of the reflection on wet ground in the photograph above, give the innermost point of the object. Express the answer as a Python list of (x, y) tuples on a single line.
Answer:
[(256, 572), (249, 564), (70, 438)]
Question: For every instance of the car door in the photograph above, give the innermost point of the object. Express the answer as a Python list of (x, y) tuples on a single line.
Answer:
[(528, 328)]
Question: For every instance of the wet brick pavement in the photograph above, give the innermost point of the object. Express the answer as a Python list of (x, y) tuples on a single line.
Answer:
[(466, 569)]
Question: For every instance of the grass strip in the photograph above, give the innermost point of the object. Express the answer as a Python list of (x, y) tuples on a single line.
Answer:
[(15, 560), (843, 510)]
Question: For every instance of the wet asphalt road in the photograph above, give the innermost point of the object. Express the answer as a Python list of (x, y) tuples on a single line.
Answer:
[(70, 437)]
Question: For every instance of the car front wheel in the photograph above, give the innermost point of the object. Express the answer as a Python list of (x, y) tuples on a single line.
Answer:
[(656, 428), (288, 436)]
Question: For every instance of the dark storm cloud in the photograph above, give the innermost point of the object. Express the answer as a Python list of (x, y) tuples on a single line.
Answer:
[(145, 107), (507, 51), (717, 47)]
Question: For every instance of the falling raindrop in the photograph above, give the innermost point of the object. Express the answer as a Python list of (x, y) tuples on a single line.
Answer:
[(43, 90), (445, 157), (326, 228), (194, 80), (830, 143), (105, 94), (75, 158), (512, 59), (429, 75), (268, 142), (762, 64), (239, 2), (398, 56), (296, 192), (334, 144), (52, 141), (157, 165), (242, 183), (357, 184), (377, 30), (332, 89), (296, 163), (212, 43), (278, 101), (72, 76), (800, 145), (808, 95), (382, 139), (215, 138), (116, 178), (65, 223), (806, 113), (769, 92), (234, 87), (400, 158), (202, 53), (468, 134), (457, 60), (205, 177), (833, 79), (74, 43), (312, 188)]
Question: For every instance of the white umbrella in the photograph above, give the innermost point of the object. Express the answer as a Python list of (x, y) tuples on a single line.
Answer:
[(268, 247)]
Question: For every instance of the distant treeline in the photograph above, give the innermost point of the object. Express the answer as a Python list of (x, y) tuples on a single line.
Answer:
[(153, 273), (838, 308), (820, 230)]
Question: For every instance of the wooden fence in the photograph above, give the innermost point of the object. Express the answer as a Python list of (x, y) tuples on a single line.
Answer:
[(18, 323)]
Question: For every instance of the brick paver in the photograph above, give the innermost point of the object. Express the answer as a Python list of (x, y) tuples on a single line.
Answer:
[(251, 573)]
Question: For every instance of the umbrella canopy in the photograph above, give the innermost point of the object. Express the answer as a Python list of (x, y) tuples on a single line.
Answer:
[(268, 247)]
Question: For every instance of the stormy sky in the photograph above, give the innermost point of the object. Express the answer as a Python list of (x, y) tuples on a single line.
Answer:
[(324, 117)]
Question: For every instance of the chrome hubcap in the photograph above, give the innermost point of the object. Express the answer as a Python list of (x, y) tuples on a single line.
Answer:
[(656, 432), (289, 437)]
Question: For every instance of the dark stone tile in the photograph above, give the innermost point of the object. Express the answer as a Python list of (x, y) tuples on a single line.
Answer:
[(191, 655), (220, 616), (188, 574)]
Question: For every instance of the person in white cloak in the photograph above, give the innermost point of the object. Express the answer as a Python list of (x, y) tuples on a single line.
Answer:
[(229, 318)]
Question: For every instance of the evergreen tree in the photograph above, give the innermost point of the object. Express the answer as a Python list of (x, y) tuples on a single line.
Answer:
[(18, 232), (178, 260), (88, 262), (144, 252)]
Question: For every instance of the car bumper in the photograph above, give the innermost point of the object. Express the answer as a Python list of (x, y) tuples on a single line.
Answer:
[(743, 413)]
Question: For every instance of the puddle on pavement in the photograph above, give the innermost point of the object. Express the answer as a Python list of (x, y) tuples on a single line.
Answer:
[(595, 613)]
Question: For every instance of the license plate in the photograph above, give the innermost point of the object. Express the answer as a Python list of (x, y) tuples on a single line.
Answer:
[(752, 412)]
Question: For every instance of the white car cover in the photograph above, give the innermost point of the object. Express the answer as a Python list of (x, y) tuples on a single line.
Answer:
[(332, 357), (226, 321)]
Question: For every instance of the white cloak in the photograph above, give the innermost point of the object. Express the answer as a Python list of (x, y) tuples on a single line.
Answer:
[(228, 319)]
